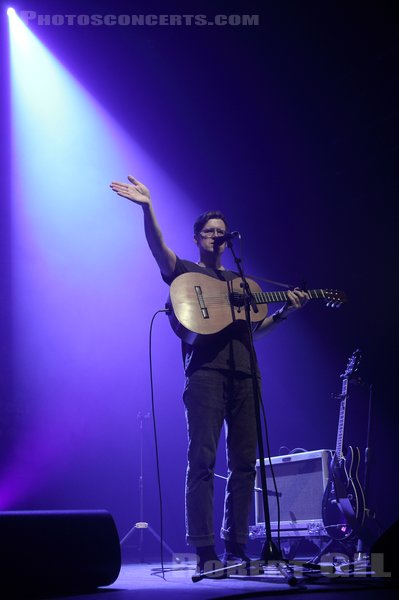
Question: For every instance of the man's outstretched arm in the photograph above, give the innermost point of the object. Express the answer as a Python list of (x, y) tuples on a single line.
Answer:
[(139, 194)]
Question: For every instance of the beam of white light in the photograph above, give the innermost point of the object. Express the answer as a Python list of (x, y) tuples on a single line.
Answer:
[(75, 248)]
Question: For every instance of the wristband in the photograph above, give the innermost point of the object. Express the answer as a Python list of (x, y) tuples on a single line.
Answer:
[(278, 317)]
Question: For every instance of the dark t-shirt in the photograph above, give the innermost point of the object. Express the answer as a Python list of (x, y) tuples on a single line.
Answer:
[(228, 350)]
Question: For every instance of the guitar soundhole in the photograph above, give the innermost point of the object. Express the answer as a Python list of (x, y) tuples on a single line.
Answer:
[(237, 299)]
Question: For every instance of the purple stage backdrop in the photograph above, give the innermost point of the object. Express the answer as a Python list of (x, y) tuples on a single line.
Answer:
[(283, 118)]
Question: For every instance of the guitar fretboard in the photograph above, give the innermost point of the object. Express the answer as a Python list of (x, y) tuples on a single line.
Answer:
[(341, 420), (281, 296)]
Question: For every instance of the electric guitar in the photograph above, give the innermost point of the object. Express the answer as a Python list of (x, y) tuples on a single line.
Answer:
[(343, 507), (201, 305)]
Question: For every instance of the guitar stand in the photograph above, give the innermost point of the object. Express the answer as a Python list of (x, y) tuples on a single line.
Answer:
[(363, 548), (316, 559), (370, 529)]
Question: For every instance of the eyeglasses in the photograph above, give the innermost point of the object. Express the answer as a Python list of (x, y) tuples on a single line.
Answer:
[(210, 231)]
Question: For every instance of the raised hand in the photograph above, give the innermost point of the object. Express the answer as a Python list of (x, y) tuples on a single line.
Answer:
[(135, 191)]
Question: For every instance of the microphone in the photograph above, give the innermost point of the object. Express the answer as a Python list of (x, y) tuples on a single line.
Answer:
[(218, 241)]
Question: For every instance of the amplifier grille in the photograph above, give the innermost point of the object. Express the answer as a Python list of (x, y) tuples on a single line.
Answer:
[(301, 479)]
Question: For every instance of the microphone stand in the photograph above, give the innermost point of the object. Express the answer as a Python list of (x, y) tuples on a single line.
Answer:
[(270, 552), (142, 525)]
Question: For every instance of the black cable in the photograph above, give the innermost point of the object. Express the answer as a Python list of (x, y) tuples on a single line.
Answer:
[(155, 437)]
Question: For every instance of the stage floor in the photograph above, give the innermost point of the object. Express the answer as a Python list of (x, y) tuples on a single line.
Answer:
[(145, 581)]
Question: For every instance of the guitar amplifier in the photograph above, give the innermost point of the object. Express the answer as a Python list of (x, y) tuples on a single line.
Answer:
[(301, 479)]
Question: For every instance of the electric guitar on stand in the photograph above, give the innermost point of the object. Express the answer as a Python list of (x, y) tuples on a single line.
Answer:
[(343, 507)]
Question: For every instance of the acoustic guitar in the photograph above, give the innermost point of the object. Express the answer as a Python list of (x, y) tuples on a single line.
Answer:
[(343, 506), (201, 305)]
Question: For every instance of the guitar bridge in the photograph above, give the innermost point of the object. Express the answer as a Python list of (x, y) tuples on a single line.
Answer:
[(201, 302)]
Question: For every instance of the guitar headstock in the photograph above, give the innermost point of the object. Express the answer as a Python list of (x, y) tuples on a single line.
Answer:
[(353, 365), (334, 298)]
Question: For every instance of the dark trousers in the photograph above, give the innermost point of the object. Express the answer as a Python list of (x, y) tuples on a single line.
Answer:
[(211, 398)]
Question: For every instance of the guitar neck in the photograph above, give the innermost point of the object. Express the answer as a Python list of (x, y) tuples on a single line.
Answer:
[(341, 420), (281, 296)]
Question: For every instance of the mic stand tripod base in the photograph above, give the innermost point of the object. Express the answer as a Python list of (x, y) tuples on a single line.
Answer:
[(242, 568), (247, 569), (270, 554), (141, 526)]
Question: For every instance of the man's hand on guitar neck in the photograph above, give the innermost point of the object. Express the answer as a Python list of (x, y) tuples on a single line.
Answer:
[(296, 299)]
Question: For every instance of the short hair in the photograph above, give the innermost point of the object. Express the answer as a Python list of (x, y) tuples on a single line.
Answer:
[(205, 217)]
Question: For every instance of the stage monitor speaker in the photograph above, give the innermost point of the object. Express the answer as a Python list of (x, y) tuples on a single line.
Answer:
[(58, 550)]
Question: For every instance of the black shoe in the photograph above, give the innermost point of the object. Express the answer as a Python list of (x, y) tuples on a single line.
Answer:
[(235, 553), (211, 569), (208, 562)]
